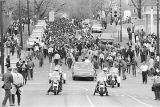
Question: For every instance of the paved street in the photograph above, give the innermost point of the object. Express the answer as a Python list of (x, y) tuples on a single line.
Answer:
[(79, 93)]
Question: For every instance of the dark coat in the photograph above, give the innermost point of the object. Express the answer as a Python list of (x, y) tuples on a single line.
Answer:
[(8, 80), (8, 64)]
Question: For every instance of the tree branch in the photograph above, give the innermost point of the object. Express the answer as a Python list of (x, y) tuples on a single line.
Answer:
[(134, 4)]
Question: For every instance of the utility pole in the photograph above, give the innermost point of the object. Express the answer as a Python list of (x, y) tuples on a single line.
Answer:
[(140, 9), (90, 9), (2, 42), (158, 27), (20, 21), (28, 18), (121, 20)]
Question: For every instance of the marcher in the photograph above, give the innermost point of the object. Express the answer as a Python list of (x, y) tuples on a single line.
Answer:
[(134, 64), (7, 78), (101, 60), (31, 66), (144, 68), (124, 66), (56, 58), (17, 84), (19, 66), (8, 64), (156, 86)]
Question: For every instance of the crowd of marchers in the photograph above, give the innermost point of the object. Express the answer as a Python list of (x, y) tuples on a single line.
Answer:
[(146, 48), (61, 45)]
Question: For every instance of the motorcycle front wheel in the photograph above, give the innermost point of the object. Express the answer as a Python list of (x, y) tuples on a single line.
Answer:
[(55, 91)]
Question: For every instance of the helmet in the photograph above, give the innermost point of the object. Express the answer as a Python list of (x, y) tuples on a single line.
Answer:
[(104, 69), (56, 68)]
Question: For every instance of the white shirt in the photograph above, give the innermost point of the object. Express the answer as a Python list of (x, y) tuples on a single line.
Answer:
[(17, 78), (144, 67), (87, 61), (50, 49), (36, 48), (151, 63), (151, 49), (157, 58), (114, 53), (101, 56), (56, 56)]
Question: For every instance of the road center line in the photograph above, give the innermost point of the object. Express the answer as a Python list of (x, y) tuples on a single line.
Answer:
[(90, 102), (148, 105)]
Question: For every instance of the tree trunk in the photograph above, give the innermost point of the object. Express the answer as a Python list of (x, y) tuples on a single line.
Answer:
[(140, 9), (139, 13)]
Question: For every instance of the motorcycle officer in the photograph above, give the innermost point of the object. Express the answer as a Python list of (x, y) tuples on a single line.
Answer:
[(102, 77), (51, 77)]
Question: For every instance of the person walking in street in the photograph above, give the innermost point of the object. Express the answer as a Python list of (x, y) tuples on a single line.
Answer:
[(24, 71), (56, 58), (134, 64), (8, 64), (41, 59), (19, 66), (31, 66), (7, 78), (19, 48), (50, 53), (17, 84), (101, 60), (144, 68), (156, 85), (124, 66), (128, 65)]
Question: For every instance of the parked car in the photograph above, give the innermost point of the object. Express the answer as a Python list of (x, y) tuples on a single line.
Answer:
[(83, 69)]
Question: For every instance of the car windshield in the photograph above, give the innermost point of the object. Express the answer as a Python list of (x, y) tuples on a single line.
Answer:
[(83, 65), (97, 24)]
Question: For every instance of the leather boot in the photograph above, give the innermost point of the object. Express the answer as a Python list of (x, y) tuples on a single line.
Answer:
[(155, 92)]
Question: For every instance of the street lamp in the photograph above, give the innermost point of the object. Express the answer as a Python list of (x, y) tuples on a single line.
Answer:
[(2, 38)]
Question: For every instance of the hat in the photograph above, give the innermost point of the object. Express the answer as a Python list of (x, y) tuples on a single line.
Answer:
[(104, 69)]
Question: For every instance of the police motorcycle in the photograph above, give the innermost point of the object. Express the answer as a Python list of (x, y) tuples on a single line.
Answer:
[(101, 87), (113, 78), (55, 81)]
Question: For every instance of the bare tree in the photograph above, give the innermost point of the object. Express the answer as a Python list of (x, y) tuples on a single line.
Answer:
[(138, 5), (42, 7)]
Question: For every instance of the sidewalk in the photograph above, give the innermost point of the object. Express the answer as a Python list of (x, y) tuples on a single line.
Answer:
[(14, 60)]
